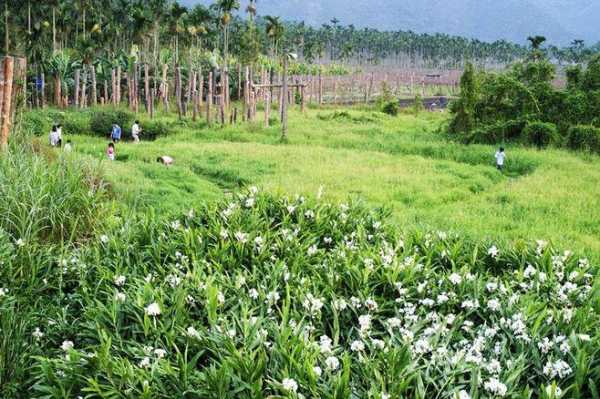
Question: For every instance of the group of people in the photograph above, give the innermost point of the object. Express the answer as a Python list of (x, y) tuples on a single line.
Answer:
[(136, 131), (56, 139), (115, 136)]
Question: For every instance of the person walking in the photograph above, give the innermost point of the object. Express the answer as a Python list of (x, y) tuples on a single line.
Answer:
[(115, 135), (136, 130), (500, 156)]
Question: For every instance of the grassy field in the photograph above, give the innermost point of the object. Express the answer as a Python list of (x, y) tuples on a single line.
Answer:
[(402, 162), (261, 295)]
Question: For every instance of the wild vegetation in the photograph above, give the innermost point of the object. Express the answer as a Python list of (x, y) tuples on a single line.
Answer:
[(523, 105), (299, 249)]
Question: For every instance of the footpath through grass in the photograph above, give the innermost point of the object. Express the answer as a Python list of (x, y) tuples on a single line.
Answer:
[(402, 162)]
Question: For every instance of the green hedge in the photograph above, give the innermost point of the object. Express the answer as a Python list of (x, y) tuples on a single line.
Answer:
[(584, 137), (541, 134)]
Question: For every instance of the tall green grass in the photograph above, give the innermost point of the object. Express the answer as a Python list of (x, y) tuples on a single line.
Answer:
[(48, 197)]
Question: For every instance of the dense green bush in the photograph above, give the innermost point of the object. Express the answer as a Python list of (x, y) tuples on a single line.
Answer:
[(584, 137), (76, 123), (541, 134), (496, 133), (155, 129), (102, 121), (391, 107)]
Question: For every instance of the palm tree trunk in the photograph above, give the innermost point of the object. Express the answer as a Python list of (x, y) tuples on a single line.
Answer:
[(76, 94), (6, 28), (94, 88), (54, 29), (29, 17), (147, 88)]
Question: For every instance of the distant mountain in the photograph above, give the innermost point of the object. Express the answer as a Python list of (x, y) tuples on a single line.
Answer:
[(560, 21)]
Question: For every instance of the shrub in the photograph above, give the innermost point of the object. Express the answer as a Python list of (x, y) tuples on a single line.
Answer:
[(584, 137), (155, 129), (76, 123), (541, 134), (390, 107), (101, 122), (497, 133), (418, 105)]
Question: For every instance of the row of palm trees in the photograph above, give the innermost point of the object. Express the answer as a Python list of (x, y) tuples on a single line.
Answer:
[(93, 28), (59, 37)]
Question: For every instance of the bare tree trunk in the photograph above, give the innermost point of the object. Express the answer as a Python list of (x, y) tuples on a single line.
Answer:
[(239, 88), (267, 94), (200, 88), (320, 95), (94, 87), (178, 91), (83, 101), (209, 97), (118, 85), (247, 84), (284, 85), (57, 91), (194, 96), (113, 86), (164, 87), (105, 98), (76, 94), (136, 87), (147, 88), (302, 98), (6, 101), (188, 91), (43, 78)]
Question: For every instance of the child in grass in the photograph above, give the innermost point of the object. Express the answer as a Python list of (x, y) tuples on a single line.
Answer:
[(68, 146), (500, 156), (110, 151)]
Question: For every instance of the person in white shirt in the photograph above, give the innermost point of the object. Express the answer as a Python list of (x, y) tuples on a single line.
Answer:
[(54, 137), (136, 130), (500, 156)]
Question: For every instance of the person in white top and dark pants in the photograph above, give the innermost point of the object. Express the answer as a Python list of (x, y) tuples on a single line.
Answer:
[(136, 130), (500, 156)]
